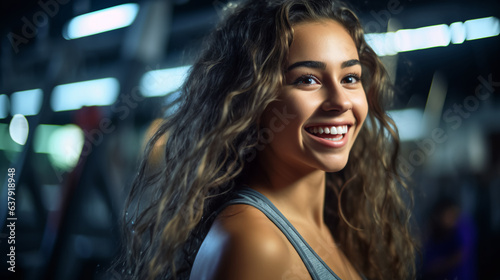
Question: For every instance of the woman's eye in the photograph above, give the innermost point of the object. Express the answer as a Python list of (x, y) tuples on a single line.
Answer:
[(306, 80), (351, 79)]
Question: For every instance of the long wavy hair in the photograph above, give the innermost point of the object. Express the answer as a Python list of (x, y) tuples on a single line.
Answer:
[(194, 161)]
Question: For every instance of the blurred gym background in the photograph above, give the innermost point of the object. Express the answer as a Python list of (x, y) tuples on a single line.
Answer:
[(83, 84)]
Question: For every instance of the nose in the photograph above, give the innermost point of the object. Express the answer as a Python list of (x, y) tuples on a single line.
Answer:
[(336, 99)]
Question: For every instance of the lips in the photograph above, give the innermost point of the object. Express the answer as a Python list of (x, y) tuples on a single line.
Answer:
[(329, 135)]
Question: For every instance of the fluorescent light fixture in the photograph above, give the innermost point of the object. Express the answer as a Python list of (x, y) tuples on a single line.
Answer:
[(409, 123), (164, 81), (422, 38), (100, 92), (482, 28), (4, 106), (28, 102), (101, 21), (457, 30), (18, 129), (405, 40), (63, 144), (381, 43)]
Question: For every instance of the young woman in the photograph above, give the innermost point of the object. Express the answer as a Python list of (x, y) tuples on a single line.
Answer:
[(279, 162)]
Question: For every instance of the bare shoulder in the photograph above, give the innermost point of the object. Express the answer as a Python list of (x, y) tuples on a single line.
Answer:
[(242, 244)]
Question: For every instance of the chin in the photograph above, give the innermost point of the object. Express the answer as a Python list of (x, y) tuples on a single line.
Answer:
[(334, 169), (338, 166), (333, 164)]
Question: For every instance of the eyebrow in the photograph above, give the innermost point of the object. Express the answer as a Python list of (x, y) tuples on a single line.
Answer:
[(350, 63), (321, 65), (309, 64)]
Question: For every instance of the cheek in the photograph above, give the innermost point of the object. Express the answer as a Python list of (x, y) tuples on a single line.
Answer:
[(279, 118), (284, 120), (361, 108)]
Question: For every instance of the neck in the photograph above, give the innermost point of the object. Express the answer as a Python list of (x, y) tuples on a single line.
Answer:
[(298, 194)]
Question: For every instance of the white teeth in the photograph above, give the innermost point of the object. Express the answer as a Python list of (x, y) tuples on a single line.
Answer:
[(336, 138), (330, 130)]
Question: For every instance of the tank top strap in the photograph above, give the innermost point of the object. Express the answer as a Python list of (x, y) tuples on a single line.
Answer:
[(317, 268)]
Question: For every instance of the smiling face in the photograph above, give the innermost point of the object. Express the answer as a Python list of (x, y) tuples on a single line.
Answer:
[(322, 98)]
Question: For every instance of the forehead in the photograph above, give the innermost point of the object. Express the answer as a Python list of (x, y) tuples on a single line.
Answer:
[(325, 40)]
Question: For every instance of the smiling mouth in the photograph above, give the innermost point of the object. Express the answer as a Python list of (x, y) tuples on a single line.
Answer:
[(332, 133)]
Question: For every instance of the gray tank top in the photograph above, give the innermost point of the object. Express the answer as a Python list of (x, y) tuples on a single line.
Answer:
[(317, 268)]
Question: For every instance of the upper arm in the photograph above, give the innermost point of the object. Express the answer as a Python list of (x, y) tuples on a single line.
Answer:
[(242, 248), (253, 256)]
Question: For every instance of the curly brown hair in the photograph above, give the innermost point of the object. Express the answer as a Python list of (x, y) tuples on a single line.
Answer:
[(206, 142)]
